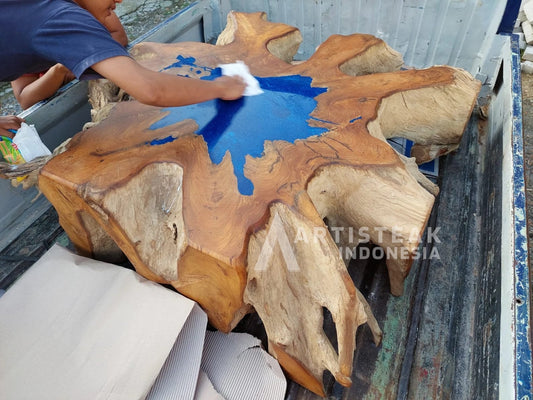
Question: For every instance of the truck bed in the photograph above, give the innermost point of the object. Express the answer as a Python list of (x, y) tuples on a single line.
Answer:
[(462, 308), (431, 340)]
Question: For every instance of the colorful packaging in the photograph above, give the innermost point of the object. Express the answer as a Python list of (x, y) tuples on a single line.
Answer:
[(10, 151)]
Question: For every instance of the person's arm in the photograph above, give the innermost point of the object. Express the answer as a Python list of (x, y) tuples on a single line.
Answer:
[(29, 90), (114, 26), (9, 122), (165, 90)]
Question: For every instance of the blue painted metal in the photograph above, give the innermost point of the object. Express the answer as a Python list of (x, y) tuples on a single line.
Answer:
[(509, 16), (523, 353)]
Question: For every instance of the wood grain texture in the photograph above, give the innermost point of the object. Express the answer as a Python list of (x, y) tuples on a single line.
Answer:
[(199, 197)]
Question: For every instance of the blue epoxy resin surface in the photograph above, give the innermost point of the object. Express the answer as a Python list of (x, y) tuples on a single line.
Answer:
[(242, 126)]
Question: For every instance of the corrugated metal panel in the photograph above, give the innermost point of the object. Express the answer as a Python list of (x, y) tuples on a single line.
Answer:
[(426, 32)]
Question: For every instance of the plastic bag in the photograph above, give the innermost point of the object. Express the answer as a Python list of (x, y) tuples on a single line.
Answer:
[(29, 143)]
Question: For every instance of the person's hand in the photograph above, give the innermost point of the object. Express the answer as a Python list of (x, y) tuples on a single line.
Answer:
[(9, 122), (232, 87)]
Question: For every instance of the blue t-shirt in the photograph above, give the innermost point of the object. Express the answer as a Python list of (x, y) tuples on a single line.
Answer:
[(36, 34)]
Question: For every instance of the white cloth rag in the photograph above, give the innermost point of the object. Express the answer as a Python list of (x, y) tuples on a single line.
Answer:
[(241, 69)]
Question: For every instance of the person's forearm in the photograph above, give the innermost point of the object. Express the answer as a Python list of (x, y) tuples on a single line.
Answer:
[(42, 88), (121, 37), (165, 90), (169, 90), (115, 27)]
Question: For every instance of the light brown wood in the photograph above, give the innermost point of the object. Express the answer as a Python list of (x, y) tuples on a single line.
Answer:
[(289, 295), (181, 219)]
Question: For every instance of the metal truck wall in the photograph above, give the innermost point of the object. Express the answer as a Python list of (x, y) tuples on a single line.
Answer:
[(55, 121)]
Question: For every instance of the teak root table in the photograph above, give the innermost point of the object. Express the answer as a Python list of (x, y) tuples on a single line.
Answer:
[(226, 201)]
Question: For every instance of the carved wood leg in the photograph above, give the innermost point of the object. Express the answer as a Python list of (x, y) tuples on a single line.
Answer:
[(294, 271)]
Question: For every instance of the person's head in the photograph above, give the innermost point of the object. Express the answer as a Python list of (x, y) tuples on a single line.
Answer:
[(100, 9)]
